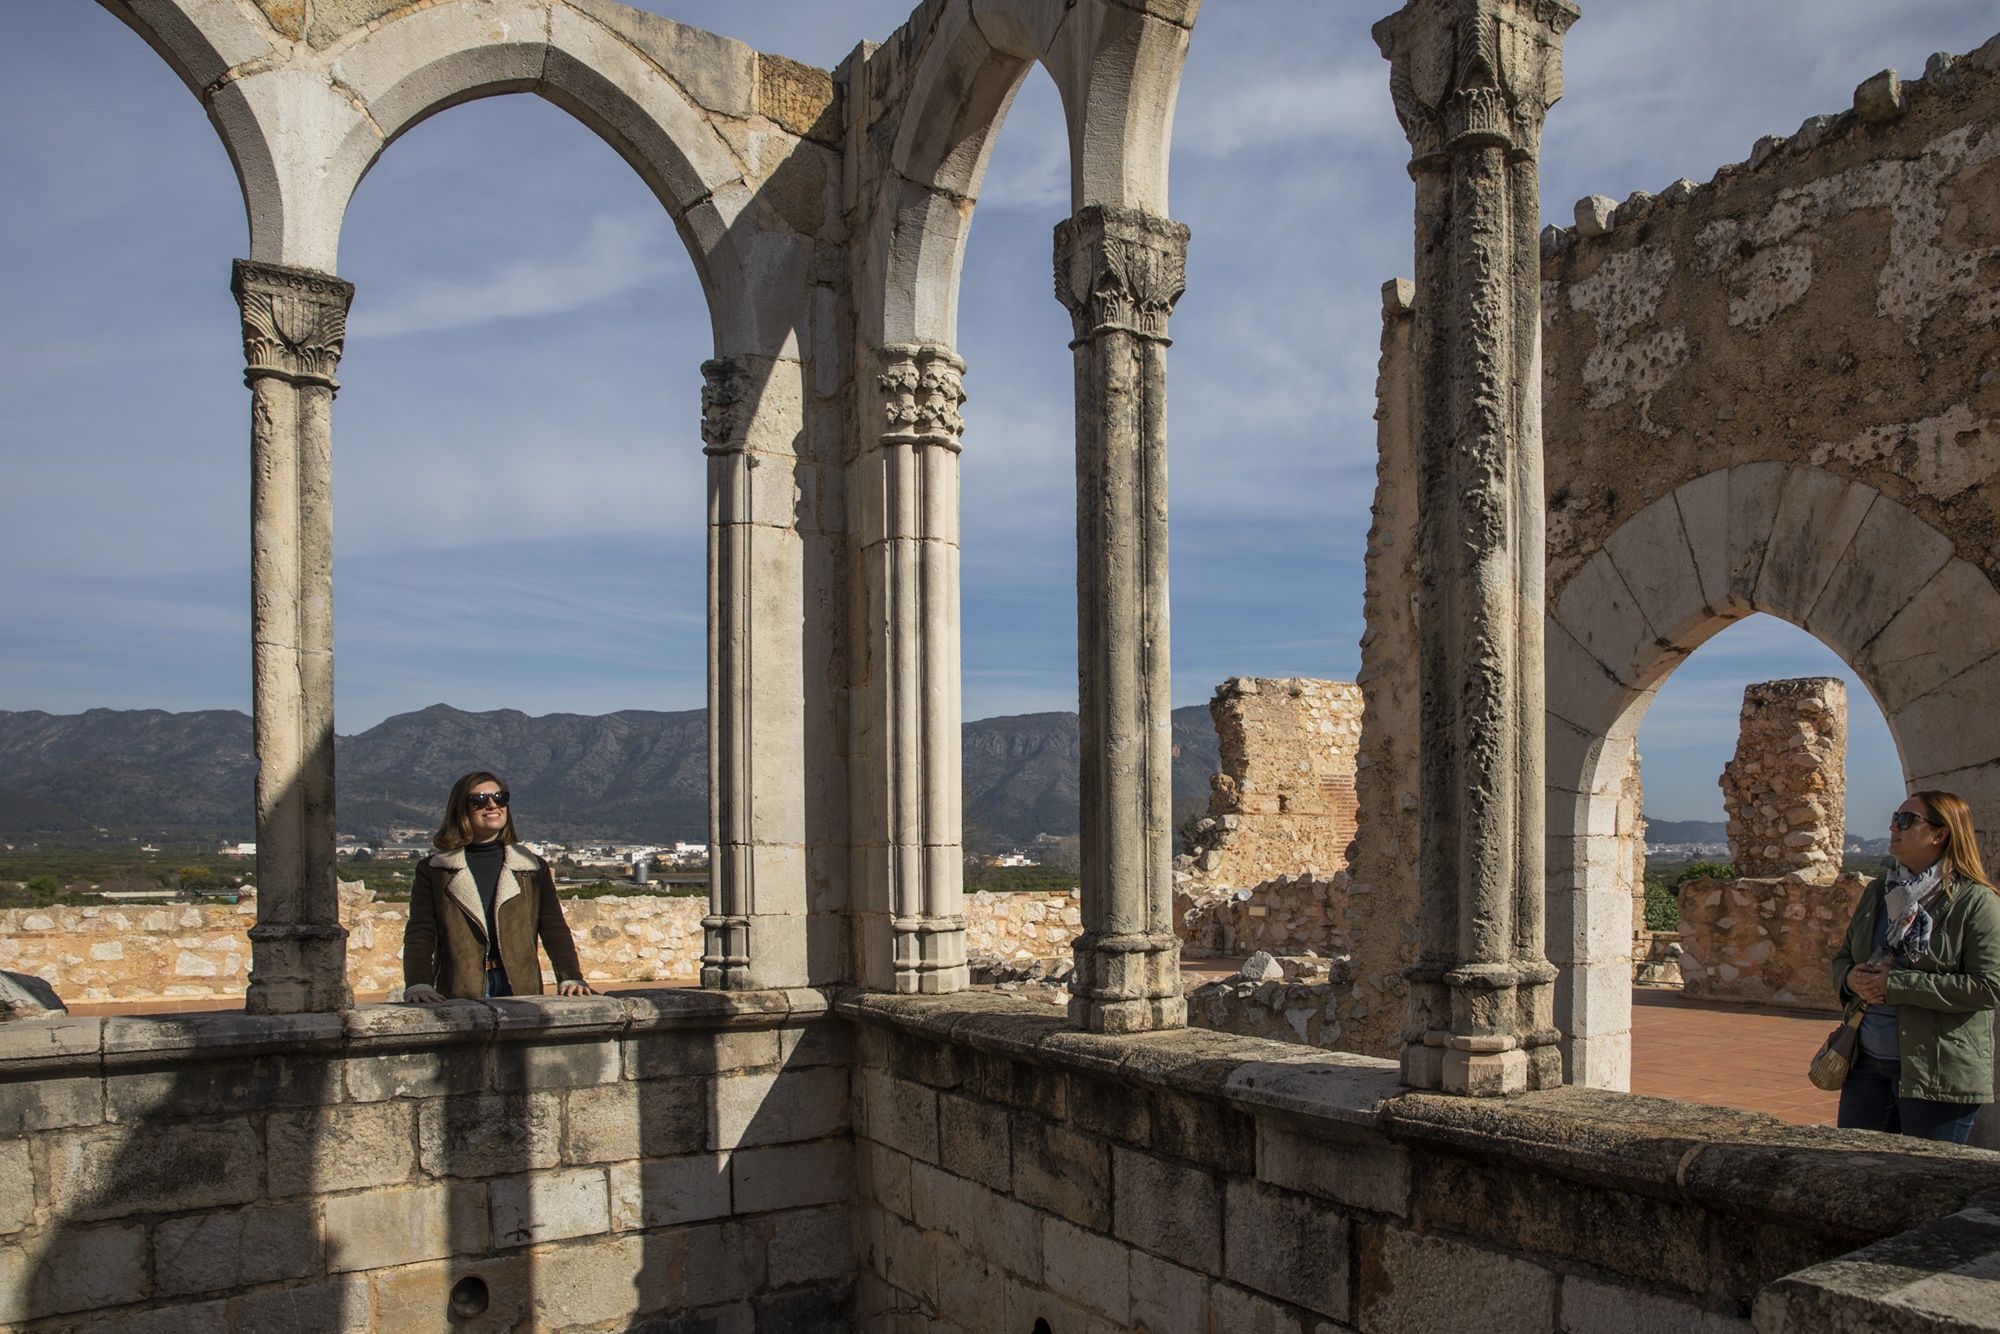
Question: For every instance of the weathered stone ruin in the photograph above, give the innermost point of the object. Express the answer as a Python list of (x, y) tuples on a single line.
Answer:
[(1785, 792), (1268, 869), (1768, 935), (1774, 392)]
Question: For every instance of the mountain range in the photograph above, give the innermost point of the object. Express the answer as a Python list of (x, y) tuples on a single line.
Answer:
[(635, 775)]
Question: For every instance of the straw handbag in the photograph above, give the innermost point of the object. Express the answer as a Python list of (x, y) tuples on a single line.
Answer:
[(1835, 1056)]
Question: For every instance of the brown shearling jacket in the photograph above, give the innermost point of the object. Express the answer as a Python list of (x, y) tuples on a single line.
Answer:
[(444, 945)]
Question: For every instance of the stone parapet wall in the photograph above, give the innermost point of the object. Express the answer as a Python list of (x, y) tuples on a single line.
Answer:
[(1785, 791), (1767, 941), (1009, 1173), (182, 951), (594, 1163)]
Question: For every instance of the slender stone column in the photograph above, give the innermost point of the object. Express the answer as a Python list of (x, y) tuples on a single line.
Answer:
[(725, 957), (908, 827), (294, 327), (1120, 272), (1472, 81)]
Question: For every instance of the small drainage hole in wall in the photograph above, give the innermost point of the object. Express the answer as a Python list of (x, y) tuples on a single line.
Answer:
[(469, 1297), (1041, 1327)]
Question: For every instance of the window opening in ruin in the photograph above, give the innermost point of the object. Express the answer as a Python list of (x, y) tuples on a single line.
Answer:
[(1018, 509), (125, 568), (1753, 813), (520, 512)]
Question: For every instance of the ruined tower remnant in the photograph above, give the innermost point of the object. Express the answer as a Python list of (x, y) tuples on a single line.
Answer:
[(1784, 792), (1473, 81)]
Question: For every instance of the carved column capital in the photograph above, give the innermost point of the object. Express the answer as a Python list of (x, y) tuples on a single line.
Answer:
[(1474, 73), (923, 388), (294, 322), (724, 391), (1120, 269)]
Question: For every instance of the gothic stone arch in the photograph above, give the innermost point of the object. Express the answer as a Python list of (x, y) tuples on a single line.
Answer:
[(1875, 583)]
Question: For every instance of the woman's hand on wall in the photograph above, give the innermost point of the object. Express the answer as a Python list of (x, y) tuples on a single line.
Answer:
[(575, 989), (419, 994)]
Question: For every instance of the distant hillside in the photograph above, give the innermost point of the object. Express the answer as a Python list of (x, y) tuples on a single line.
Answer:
[(635, 775), (1685, 831)]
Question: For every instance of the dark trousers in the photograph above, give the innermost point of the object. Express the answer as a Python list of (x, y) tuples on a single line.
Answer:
[(1869, 1101)]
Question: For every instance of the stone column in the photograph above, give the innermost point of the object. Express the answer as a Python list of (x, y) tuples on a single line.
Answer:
[(1472, 81), (725, 956), (1120, 272), (908, 820), (294, 327)]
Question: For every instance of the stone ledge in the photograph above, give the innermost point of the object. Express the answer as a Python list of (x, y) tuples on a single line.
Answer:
[(1942, 1276), (1848, 1185), (51, 1047)]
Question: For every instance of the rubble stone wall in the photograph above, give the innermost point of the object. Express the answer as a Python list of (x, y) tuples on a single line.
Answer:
[(1766, 941), (1268, 869), (1009, 1172), (182, 951), (593, 1163), (1785, 791)]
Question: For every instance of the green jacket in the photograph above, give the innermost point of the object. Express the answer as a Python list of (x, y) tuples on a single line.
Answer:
[(1944, 1003)]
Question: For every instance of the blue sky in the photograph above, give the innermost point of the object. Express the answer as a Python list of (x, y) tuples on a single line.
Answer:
[(518, 475)]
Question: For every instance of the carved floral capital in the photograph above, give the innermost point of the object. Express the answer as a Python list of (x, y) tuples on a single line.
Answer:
[(923, 389), (723, 392), (294, 321), (1474, 73), (1120, 269)]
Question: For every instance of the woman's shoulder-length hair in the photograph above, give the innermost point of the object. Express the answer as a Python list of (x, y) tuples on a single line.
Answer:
[(456, 829), (1963, 846)]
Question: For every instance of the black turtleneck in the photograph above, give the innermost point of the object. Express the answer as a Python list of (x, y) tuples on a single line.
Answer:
[(484, 860)]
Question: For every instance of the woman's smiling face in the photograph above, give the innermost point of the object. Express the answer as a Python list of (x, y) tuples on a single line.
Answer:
[(488, 821)]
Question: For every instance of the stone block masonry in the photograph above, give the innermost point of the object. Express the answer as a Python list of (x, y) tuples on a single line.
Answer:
[(1268, 867), (555, 1164), (1785, 790), (1008, 1172)]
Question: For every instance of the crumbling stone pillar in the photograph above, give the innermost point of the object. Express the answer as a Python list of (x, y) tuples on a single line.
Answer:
[(1785, 792), (907, 820), (294, 329), (1120, 271), (1473, 80)]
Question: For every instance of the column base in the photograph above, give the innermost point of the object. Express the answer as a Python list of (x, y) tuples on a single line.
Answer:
[(1127, 984), (298, 969), (1485, 1074), (725, 954), (929, 955), (1481, 1066)]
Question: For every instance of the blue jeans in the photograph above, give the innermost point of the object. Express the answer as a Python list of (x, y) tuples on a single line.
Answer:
[(1869, 1101)]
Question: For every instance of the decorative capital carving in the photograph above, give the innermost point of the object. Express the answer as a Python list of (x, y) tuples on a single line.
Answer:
[(922, 389), (724, 383), (1120, 269), (1474, 73), (294, 322)]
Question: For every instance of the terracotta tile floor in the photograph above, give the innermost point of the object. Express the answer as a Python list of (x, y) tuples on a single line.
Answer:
[(1742, 1056)]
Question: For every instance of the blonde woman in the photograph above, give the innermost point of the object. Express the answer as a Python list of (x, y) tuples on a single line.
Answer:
[(1930, 931), (479, 906)]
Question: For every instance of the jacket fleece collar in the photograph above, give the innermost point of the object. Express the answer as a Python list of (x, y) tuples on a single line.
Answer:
[(464, 890)]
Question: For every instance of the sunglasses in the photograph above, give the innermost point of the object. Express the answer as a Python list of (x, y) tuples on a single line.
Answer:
[(479, 801), (1898, 820)]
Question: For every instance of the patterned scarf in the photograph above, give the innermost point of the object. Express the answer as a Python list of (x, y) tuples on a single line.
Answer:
[(1907, 898)]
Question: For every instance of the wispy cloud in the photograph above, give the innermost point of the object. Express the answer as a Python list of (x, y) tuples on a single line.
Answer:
[(618, 254), (1348, 105)]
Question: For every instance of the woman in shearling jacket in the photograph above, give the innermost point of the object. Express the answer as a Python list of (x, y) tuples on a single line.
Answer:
[(1925, 1064), (479, 906)]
